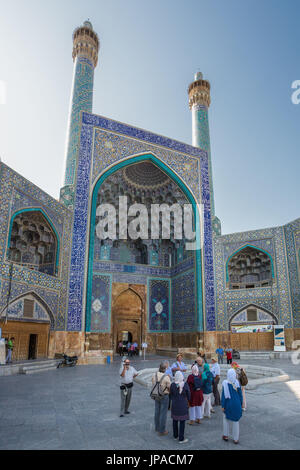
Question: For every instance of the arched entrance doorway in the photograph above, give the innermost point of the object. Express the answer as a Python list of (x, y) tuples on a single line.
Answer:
[(127, 310), (144, 180), (252, 329), (28, 321)]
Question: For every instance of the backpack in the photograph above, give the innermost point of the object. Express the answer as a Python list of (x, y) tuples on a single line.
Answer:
[(157, 393), (197, 383), (243, 378)]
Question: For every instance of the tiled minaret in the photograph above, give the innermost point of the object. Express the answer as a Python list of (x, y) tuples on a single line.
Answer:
[(85, 57), (199, 101)]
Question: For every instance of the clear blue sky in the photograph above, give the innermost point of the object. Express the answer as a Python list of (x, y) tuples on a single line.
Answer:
[(249, 50)]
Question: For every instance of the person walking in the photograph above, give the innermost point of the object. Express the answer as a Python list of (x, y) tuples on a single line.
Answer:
[(127, 374), (231, 402), (216, 372), (220, 352), (10, 347), (242, 379), (207, 381), (195, 403), (161, 405), (180, 395)]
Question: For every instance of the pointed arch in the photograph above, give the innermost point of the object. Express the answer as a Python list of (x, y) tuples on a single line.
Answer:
[(196, 211), (242, 248), (36, 209), (252, 305), (38, 299)]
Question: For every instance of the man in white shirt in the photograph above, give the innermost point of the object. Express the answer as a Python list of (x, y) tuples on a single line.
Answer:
[(127, 374), (216, 372)]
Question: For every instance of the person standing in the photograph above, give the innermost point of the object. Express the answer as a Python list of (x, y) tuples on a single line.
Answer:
[(216, 372), (180, 394), (127, 374), (242, 379), (199, 362), (229, 354), (179, 365), (220, 352), (120, 348), (231, 402), (195, 403), (202, 355), (161, 406), (131, 350), (207, 381), (10, 347)]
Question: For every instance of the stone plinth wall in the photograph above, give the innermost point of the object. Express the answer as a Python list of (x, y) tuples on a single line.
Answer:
[(185, 340), (68, 342), (158, 340), (247, 341), (98, 341)]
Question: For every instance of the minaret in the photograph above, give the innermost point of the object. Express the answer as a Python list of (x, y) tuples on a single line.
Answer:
[(199, 101), (85, 56)]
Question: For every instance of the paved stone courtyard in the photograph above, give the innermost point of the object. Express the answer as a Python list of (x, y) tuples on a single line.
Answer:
[(78, 408)]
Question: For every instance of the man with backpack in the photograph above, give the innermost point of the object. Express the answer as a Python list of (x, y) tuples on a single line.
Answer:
[(160, 394)]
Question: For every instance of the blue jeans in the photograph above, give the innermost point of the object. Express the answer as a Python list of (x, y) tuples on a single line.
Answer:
[(8, 357), (181, 429), (161, 410), (220, 359)]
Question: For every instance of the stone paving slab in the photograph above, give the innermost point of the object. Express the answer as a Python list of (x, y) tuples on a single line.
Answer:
[(78, 408)]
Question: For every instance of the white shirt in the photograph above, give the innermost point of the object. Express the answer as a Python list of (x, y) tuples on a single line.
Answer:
[(128, 376), (215, 369)]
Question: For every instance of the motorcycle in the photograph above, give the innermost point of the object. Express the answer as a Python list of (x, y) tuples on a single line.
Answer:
[(70, 361)]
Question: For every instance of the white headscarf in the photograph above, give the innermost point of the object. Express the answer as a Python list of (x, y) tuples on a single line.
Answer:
[(195, 369), (179, 380), (232, 380)]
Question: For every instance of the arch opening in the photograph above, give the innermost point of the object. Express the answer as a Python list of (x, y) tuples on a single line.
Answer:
[(33, 241), (153, 182), (249, 268)]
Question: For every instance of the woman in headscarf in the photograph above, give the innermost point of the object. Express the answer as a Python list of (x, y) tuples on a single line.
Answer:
[(207, 383), (238, 371), (180, 394), (195, 410), (231, 402)]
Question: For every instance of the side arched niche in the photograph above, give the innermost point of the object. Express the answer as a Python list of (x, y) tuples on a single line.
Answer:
[(33, 242)]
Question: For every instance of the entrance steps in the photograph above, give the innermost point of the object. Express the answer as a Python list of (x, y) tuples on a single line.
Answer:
[(28, 367), (39, 367), (253, 355)]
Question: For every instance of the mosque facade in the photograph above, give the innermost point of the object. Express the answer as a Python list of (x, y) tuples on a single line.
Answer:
[(66, 289)]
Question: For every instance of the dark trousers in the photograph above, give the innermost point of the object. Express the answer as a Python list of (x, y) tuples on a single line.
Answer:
[(229, 361), (181, 429), (161, 411), (216, 391)]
